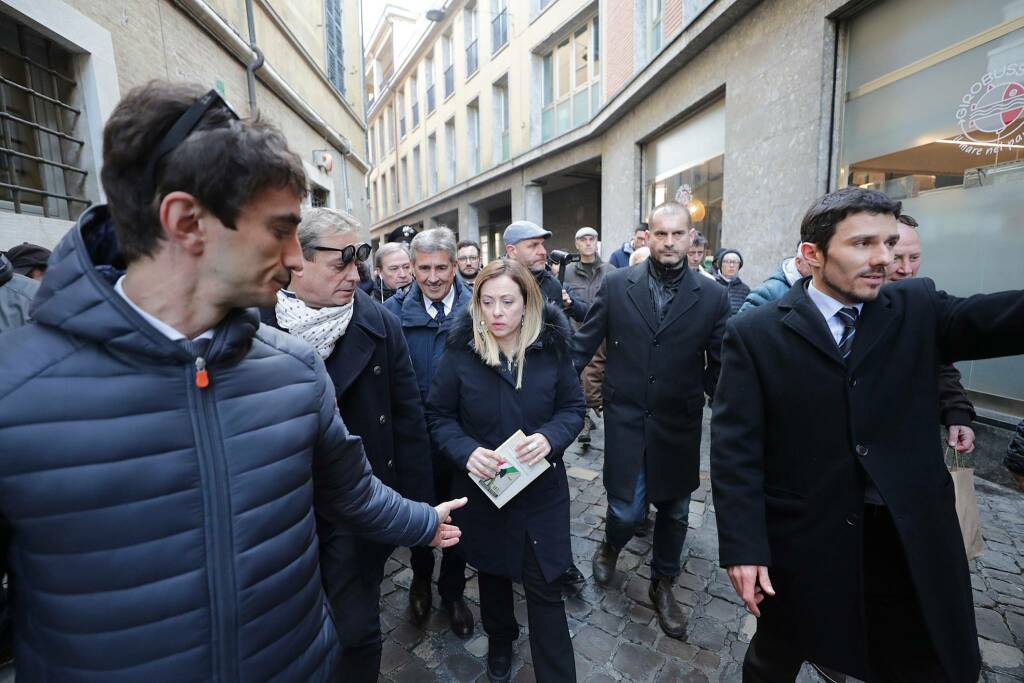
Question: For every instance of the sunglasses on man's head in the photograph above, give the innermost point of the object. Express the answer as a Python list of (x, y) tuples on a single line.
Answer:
[(176, 135), (359, 252)]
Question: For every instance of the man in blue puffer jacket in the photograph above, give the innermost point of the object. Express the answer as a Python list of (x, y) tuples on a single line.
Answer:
[(161, 454)]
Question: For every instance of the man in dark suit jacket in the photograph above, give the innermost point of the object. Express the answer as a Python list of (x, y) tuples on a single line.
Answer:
[(827, 467), (368, 360), (663, 324)]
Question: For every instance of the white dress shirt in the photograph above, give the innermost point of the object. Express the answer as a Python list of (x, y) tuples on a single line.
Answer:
[(159, 325), (448, 301), (828, 308)]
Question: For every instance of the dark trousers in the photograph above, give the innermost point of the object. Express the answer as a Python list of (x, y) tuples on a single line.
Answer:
[(352, 569), (451, 582), (899, 649), (550, 644), (670, 525)]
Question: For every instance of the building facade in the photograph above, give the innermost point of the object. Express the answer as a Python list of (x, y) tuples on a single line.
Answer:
[(64, 64), (572, 113)]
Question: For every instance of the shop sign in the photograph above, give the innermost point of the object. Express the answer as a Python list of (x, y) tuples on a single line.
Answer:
[(991, 112)]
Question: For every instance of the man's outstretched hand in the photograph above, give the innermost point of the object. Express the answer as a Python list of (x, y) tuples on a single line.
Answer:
[(752, 584), (447, 533)]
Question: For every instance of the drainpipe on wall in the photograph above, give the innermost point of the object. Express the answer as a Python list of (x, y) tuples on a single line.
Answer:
[(257, 60)]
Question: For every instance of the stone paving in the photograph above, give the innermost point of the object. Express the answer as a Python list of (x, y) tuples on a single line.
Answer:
[(615, 630)]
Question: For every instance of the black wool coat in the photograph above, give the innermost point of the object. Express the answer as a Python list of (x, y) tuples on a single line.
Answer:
[(472, 404), (378, 397), (655, 379), (794, 431)]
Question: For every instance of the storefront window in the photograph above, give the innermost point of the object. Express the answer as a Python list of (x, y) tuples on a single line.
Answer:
[(686, 164), (934, 116)]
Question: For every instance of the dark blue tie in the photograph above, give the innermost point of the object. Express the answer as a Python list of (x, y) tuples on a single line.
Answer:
[(439, 307), (848, 316)]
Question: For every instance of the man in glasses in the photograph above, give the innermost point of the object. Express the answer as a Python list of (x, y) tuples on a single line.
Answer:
[(368, 360), (469, 261), (164, 457)]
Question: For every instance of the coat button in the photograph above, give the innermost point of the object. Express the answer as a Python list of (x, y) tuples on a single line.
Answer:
[(615, 342), (656, 343), (853, 381), (648, 413), (861, 450), (377, 370), (650, 380), (391, 464), (852, 520), (382, 419)]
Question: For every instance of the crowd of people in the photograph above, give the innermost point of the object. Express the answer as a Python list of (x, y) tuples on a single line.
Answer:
[(221, 412)]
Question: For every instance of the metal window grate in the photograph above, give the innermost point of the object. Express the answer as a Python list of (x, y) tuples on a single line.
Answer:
[(334, 44), (317, 197), (40, 157)]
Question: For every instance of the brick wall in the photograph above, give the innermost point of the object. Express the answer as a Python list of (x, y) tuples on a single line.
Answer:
[(617, 42), (671, 19)]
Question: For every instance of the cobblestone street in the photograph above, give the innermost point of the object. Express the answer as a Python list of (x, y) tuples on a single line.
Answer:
[(615, 630)]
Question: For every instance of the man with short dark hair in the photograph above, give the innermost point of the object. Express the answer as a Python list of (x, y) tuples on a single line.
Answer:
[(468, 254), (663, 326), (426, 311), (620, 257), (163, 455), (835, 484), (367, 359), (695, 255)]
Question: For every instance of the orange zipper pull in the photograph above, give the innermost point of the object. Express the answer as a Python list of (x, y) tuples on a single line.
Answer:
[(202, 377)]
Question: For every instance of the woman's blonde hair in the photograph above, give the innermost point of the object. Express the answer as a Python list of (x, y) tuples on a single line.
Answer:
[(533, 314)]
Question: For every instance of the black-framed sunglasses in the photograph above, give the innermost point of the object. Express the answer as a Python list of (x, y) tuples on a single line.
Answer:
[(181, 129), (359, 252)]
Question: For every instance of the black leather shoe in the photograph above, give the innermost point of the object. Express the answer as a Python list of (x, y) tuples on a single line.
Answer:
[(419, 597), (499, 661), (572, 580), (604, 563), (460, 617), (670, 614)]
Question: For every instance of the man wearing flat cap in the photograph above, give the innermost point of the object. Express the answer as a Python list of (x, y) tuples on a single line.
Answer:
[(524, 242), (582, 281), (29, 259)]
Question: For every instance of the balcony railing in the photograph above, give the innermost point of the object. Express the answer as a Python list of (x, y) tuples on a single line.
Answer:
[(499, 30), (471, 58), (449, 80)]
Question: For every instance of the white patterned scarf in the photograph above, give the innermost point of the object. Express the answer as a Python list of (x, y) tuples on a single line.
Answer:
[(321, 327)]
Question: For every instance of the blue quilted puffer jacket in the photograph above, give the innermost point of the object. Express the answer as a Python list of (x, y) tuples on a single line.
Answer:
[(157, 531)]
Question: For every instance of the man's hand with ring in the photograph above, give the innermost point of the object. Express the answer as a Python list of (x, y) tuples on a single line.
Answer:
[(534, 449)]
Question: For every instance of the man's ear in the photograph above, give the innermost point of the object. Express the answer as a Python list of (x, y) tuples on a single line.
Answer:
[(179, 217), (510, 249), (693, 234), (812, 255)]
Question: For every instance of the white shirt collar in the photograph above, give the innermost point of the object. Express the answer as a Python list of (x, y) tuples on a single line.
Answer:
[(828, 308), (448, 301), (157, 324)]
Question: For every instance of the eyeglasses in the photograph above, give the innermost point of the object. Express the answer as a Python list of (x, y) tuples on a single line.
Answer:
[(177, 134), (359, 252)]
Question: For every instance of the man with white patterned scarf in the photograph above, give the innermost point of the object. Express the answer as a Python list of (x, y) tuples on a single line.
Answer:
[(367, 358)]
